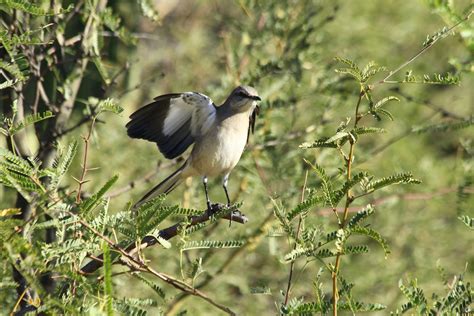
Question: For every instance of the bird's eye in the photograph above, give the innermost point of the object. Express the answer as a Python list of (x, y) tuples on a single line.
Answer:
[(243, 94)]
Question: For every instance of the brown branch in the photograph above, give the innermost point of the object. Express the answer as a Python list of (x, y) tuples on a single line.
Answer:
[(168, 233), (136, 264), (82, 180), (349, 200)]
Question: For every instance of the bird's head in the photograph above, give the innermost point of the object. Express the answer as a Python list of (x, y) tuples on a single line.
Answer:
[(243, 99)]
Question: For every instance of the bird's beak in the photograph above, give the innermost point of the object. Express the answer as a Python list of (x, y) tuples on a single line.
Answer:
[(255, 97)]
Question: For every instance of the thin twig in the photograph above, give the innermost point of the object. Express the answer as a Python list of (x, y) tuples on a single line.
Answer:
[(82, 180), (423, 50)]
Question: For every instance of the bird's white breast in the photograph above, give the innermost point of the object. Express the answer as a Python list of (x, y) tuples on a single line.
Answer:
[(221, 148)]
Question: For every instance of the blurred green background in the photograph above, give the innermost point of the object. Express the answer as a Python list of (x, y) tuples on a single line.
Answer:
[(210, 47)]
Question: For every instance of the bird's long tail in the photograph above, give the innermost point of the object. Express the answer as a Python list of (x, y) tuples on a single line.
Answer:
[(164, 187)]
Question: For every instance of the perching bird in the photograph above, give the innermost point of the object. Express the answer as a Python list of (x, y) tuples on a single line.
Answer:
[(219, 134)]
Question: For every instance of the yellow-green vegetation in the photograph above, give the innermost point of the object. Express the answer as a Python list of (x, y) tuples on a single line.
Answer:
[(358, 181)]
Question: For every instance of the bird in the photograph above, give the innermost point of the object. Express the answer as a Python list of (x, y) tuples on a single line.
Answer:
[(219, 134)]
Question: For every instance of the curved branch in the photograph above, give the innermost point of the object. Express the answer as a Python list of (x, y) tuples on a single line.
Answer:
[(168, 233)]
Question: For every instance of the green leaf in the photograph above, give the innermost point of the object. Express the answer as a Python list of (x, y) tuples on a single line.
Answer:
[(28, 7), (401, 178), (320, 143), (109, 105), (360, 216), (7, 212), (368, 130), (156, 288), (13, 68), (63, 162), (326, 183), (7, 84), (339, 194), (369, 232), (206, 244), (337, 136), (382, 102), (29, 120), (353, 250), (95, 199), (101, 69), (303, 207), (360, 307), (108, 279), (351, 72), (444, 127), (353, 69), (148, 10), (386, 113), (468, 221), (299, 252)]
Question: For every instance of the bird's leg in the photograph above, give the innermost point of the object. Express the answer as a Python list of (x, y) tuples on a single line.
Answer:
[(224, 185), (208, 201)]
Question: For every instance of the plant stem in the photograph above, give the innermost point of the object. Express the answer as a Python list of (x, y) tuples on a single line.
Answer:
[(349, 199), (423, 50), (287, 294), (81, 180)]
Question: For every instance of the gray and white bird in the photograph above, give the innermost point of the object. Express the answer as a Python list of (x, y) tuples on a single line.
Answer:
[(219, 134)]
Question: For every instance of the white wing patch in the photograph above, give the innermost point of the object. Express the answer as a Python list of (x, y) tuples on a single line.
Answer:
[(204, 112), (178, 114), (190, 105)]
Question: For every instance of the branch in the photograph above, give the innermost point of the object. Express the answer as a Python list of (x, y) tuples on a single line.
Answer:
[(168, 233), (424, 49), (136, 264), (82, 180)]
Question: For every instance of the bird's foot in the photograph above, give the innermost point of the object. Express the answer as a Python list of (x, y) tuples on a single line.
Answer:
[(209, 211)]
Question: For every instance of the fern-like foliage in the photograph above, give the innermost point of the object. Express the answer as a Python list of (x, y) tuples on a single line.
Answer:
[(327, 186), (444, 127), (400, 178), (206, 244), (366, 231), (88, 205), (360, 216), (33, 9)]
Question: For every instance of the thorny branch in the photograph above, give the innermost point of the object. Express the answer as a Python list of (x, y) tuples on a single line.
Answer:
[(170, 232), (136, 264), (82, 180)]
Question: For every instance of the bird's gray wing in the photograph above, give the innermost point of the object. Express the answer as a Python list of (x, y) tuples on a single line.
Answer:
[(173, 121)]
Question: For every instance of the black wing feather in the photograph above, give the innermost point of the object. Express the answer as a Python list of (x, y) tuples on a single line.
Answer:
[(147, 123), (252, 119)]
